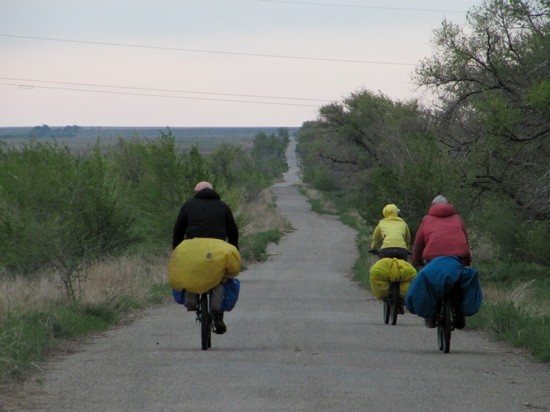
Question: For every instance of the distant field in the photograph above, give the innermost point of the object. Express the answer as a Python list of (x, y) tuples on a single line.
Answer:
[(207, 138)]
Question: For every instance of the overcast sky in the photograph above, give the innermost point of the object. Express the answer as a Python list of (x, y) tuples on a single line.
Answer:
[(178, 63)]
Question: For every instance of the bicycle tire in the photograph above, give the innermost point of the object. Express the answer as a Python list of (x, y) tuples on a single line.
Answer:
[(394, 302), (386, 310), (445, 325), (205, 320)]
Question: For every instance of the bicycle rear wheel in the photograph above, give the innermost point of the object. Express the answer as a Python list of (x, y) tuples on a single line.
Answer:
[(206, 322), (386, 310), (445, 325)]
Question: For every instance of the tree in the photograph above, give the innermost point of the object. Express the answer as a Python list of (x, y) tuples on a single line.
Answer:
[(493, 89)]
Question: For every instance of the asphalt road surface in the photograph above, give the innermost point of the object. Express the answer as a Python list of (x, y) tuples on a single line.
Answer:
[(303, 337)]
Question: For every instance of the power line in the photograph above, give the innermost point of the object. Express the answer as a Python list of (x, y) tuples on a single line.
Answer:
[(30, 86), (359, 6), (162, 90), (275, 56)]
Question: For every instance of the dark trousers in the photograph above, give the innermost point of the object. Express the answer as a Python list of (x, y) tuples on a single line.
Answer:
[(394, 252)]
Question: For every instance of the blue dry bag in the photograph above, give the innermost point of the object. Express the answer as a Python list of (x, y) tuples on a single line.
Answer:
[(179, 296), (230, 294)]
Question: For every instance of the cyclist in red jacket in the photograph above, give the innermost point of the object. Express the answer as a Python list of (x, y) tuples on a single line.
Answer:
[(442, 232)]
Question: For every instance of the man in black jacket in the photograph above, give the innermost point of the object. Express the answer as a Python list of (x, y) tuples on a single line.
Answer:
[(205, 215)]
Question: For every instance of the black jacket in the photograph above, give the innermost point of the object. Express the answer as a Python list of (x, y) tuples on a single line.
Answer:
[(205, 215)]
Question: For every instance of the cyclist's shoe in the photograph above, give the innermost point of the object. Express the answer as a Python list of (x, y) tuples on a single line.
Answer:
[(430, 323), (460, 320), (191, 307), (219, 326)]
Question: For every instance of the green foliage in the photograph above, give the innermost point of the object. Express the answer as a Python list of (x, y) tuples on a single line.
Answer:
[(63, 210), (494, 93), (58, 209), (234, 168), (154, 179), (269, 153), (539, 96), (254, 170), (513, 234)]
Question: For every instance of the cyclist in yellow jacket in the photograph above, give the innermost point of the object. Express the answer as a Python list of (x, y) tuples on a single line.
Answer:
[(392, 236)]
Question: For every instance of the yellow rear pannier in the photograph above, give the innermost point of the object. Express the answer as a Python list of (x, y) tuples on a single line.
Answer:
[(197, 265), (387, 270)]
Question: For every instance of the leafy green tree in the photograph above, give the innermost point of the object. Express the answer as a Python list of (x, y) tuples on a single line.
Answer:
[(156, 178), (269, 153), (492, 82), (494, 94), (231, 165)]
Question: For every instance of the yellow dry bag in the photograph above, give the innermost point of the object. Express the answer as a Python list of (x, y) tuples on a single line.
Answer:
[(197, 265)]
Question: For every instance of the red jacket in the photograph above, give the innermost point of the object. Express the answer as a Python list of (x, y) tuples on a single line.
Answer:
[(441, 233)]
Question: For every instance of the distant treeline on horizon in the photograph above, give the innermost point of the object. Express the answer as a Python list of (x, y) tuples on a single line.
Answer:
[(45, 131)]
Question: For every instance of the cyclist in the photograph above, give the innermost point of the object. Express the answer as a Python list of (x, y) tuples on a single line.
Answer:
[(391, 237), (205, 215), (442, 232)]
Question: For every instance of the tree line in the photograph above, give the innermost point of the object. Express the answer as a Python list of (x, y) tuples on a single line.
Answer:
[(484, 142)]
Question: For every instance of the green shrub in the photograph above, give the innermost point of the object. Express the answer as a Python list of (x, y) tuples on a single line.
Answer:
[(59, 210)]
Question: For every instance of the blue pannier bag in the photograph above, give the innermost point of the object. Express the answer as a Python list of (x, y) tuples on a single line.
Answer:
[(179, 296), (230, 294)]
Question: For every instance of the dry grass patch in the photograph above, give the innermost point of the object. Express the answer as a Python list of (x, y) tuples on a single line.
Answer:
[(20, 294), (522, 296), (262, 215), (105, 280), (319, 201), (131, 276)]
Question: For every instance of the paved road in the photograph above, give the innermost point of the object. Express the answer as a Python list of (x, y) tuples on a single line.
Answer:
[(303, 337)]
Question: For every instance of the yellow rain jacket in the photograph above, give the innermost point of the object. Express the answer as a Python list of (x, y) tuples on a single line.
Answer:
[(388, 270), (197, 265), (392, 231)]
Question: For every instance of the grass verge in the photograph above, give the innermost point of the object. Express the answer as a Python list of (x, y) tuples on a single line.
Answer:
[(516, 325), (26, 338)]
